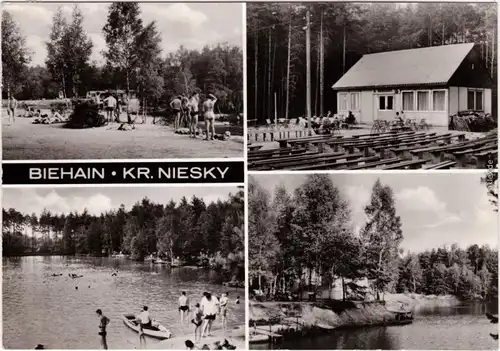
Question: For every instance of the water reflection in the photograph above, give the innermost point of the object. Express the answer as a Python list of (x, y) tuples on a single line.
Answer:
[(443, 328), (39, 308)]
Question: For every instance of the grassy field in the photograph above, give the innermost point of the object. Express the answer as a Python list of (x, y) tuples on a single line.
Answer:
[(25, 141)]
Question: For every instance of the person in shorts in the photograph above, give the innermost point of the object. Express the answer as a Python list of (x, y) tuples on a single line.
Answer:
[(110, 106), (194, 101), (176, 106), (197, 321), (11, 109), (209, 115), (104, 321), (209, 308), (183, 306)]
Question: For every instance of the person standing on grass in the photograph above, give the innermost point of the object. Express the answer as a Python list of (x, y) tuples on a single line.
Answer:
[(104, 321), (110, 104), (11, 109), (185, 111), (193, 114), (209, 115), (176, 106)]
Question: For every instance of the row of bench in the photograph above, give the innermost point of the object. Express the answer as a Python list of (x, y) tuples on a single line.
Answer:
[(408, 150)]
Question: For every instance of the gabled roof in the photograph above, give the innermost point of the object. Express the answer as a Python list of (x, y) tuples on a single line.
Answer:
[(423, 66)]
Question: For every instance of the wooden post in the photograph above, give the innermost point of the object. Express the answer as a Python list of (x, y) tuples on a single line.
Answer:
[(492, 52), (308, 72)]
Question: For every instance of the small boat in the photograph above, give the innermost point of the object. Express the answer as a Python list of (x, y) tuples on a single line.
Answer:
[(258, 338), (159, 332), (159, 261)]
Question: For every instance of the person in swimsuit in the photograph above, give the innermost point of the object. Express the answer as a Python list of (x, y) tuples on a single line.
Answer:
[(223, 310), (11, 109), (102, 326), (185, 108), (183, 306), (110, 104), (193, 114), (176, 105), (197, 321), (209, 115), (209, 308)]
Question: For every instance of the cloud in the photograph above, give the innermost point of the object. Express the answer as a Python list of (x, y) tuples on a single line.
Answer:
[(420, 199), (99, 45), (175, 13), (55, 203)]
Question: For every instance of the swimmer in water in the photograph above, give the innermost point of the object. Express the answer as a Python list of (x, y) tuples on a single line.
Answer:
[(209, 115)]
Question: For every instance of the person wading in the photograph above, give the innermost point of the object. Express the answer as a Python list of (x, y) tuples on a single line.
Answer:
[(104, 321), (183, 306)]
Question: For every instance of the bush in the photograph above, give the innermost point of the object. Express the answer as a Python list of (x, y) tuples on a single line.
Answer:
[(471, 121), (86, 115)]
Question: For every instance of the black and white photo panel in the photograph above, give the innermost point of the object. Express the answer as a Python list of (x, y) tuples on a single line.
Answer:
[(123, 268), (345, 85), (373, 261), (122, 80)]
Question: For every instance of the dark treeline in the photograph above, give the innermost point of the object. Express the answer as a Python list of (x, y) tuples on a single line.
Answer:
[(134, 61), (197, 233), (340, 34), (305, 240)]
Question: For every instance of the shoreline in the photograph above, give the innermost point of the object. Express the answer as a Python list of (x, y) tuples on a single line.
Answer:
[(272, 320)]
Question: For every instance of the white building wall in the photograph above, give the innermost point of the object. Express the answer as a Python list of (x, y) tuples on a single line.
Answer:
[(453, 100), (487, 100)]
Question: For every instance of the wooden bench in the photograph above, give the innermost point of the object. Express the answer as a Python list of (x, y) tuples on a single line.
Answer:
[(463, 155), (375, 164), (254, 147), (442, 165), (437, 153), (338, 165), (291, 141), (413, 164), (385, 143), (276, 159), (320, 159), (484, 158)]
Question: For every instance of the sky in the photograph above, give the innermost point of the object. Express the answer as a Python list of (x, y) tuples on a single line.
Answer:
[(98, 199), (435, 209), (192, 25)]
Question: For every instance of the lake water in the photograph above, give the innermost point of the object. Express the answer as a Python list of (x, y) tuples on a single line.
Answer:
[(458, 328), (41, 309)]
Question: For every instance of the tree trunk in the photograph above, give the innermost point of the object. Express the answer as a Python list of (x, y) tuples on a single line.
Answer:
[(322, 70), (486, 53), (343, 50), (256, 78), (492, 53), (343, 289), (288, 68), (316, 86), (269, 72), (129, 119)]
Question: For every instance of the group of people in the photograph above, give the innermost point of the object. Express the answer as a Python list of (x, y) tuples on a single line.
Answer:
[(186, 111), (205, 312), (203, 316)]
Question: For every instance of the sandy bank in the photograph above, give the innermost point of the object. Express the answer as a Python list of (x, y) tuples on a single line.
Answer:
[(235, 336)]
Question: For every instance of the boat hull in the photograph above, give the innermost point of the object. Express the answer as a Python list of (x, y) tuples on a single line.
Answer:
[(128, 320)]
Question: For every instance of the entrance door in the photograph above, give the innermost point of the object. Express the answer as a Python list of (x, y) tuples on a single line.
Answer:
[(385, 105)]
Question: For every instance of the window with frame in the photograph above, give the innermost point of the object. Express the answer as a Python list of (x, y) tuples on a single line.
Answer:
[(408, 101), (386, 102), (475, 100), (342, 102), (423, 101), (354, 102), (439, 100)]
